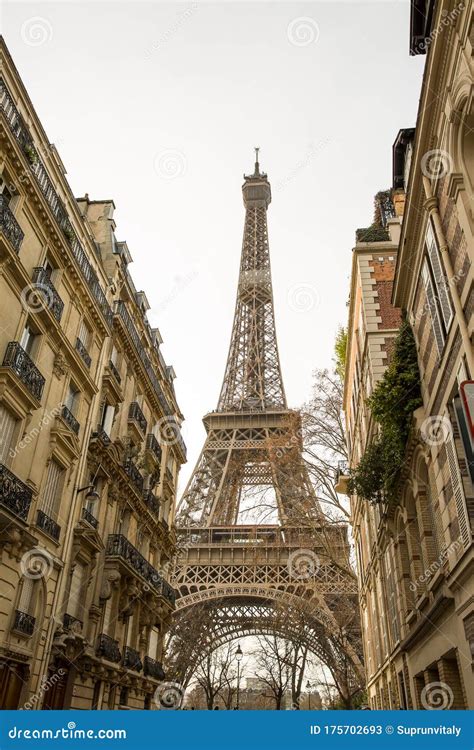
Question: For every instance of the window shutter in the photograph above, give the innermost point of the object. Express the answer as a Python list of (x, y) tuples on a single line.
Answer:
[(84, 334), (52, 490), (7, 429), (25, 601), (153, 646), (108, 418), (430, 296), (458, 492), (442, 291)]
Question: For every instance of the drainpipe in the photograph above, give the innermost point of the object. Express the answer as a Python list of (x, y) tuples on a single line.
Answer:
[(431, 206), (62, 578)]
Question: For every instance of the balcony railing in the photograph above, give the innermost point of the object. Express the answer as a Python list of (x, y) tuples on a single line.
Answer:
[(131, 659), (9, 225), (152, 502), (23, 623), (83, 352), (108, 648), (72, 623), (14, 494), (134, 474), (153, 668), (44, 285), (124, 315), (101, 435), (90, 518), (37, 168), (70, 419), (19, 361), (47, 524), (153, 446), (135, 414), (119, 546), (115, 372)]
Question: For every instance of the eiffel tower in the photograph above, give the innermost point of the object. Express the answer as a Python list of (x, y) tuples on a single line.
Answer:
[(255, 554)]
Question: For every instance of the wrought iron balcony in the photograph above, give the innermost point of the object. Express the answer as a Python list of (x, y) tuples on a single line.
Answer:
[(108, 648), (122, 312), (134, 474), (70, 419), (83, 352), (101, 435), (152, 502), (23, 623), (119, 546), (44, 285), (135, 414), (90, 518), (153, 668), (131, 659), (115, 372), (19, 361), (14, 494), (9, 225), (58, 210), (72, 623), (153, 446), (47, 524)]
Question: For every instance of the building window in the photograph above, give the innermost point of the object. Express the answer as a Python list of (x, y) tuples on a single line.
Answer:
[(123, 700), (51, 497), (436, 288), (96, 695), (28, 340), (153, 644), (107, 419), (114, 356), (111, 700), (72, 398), (84, 335), (8, 425), (76, 591), (26, 599)]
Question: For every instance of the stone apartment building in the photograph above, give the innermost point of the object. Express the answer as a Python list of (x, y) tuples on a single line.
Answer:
[(415, 557), (90, 442)]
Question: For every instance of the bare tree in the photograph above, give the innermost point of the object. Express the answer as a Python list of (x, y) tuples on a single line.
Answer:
[(324, 441), (273, 666), (214, 673)]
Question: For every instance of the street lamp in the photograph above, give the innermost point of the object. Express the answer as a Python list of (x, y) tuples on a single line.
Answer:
[(238, 655), (91, 494), (308, 688)]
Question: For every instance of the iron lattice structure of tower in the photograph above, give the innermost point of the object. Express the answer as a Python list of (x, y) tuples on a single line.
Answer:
[(253, 453)]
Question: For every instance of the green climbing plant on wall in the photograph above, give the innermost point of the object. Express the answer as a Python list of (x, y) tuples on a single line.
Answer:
[(392, 403)]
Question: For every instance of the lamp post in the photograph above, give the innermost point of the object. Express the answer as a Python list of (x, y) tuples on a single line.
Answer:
[(308, 688), (238, 655)]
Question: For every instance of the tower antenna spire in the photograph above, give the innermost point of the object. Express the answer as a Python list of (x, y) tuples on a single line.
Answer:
[(257, 165)]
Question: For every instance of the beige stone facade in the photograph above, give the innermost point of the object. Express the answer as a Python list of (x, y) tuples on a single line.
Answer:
[(415, 558), (90, 442)]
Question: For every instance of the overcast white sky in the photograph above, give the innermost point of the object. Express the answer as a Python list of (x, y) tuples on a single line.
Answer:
[(158, 105)]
